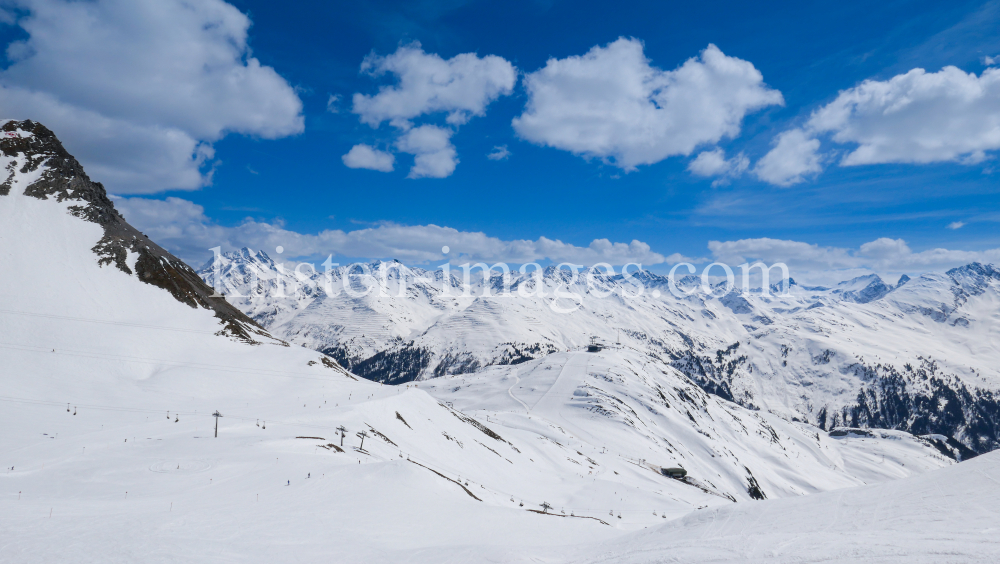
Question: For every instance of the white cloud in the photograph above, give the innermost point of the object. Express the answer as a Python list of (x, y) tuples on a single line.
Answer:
[(917, 117), (366, 156), (779, 250), (183, 228), (794, 156), (611, 104), (499, 153), (714, 163), (333, 104), (139, 89), (460, 87), (956, 225), (709, 163), (885, 248), (884, 255), (434, 155), (990, 61)]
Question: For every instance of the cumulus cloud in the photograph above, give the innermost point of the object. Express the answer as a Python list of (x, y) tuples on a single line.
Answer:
[(139, 89), (794, 156), (460, 87), (917, 117), (885, 255), (956, 225), (366, 156), (709, 163), (612, 104), (182, 227), (434, 155), (499, 153), (779, 250), (714, 163), (885, 248)]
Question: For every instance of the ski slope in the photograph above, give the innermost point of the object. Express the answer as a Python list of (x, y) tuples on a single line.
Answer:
[(949, 515)]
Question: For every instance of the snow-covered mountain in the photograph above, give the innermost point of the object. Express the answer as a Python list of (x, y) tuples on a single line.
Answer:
[(919, 355), (114, 358)]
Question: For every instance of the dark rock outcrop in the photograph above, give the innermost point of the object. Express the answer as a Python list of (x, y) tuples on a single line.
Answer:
[(63, 179)]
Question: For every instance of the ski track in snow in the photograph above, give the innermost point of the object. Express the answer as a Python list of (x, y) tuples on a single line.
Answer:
[(510, 391)]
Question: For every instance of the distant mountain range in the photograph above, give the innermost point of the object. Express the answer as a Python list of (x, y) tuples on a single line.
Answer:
[(919, 355)]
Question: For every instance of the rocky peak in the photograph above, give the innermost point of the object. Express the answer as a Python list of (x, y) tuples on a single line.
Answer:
[(34, 150), (863, 289)]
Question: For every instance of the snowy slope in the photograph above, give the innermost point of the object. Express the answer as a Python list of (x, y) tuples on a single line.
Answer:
[(920, 355), (110, 379), (625, 412), (949, 515)]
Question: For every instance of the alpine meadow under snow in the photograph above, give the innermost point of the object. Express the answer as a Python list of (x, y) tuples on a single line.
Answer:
[(830, 424)]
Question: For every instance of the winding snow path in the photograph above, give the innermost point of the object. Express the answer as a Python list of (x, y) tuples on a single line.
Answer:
[(510, 392)]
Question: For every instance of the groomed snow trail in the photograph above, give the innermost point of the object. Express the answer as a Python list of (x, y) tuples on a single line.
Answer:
[(510, 391)]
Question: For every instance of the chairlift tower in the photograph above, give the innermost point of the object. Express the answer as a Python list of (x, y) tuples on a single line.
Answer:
[(217, 415)]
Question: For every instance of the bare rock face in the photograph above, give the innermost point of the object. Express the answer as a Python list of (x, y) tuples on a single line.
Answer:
[(63, 178)]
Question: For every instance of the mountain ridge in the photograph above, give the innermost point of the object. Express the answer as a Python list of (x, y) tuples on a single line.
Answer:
[(33, 149), (815, 355)]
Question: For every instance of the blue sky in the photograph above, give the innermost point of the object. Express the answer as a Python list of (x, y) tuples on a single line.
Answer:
[(250, 152)]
